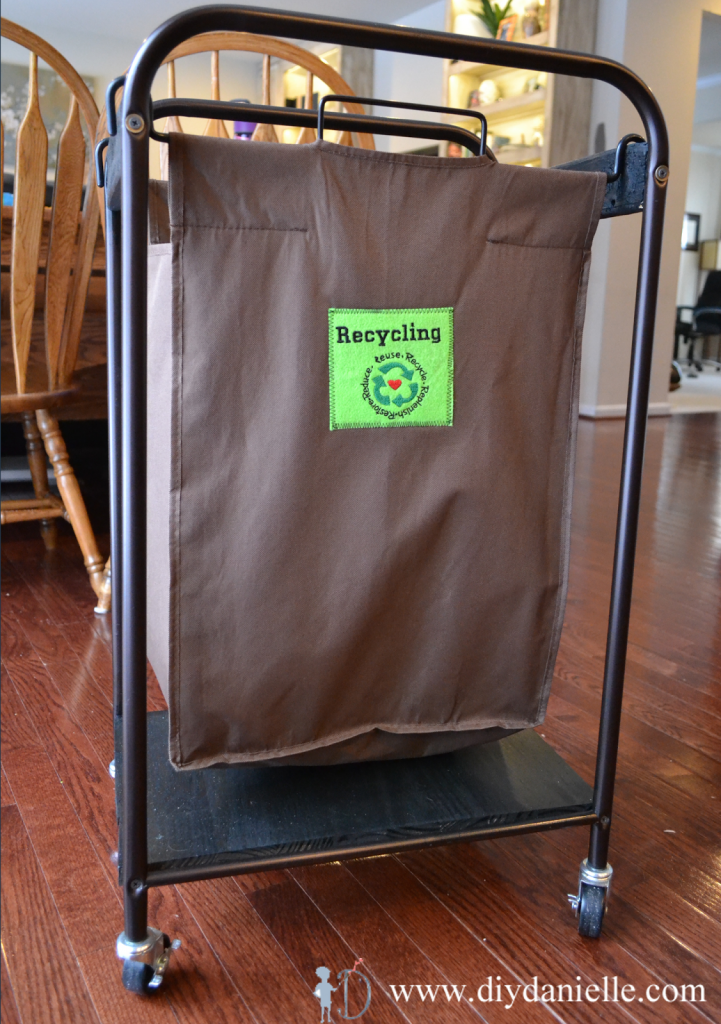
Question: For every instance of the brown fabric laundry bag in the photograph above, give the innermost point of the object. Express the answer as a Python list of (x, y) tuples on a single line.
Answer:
[(363, 387)]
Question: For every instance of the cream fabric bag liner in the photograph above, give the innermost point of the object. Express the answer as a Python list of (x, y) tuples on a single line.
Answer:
[(316, 595)]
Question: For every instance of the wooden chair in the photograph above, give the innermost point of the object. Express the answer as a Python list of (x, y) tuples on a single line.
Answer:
[(34, 387), (213, 43)]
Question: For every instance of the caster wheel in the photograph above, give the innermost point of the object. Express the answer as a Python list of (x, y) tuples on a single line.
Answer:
[(137, 977), (591, 910), (140, 977)]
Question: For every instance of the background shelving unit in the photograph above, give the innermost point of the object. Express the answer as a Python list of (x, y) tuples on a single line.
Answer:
[(294, 90), (288, 83), (537, 120)]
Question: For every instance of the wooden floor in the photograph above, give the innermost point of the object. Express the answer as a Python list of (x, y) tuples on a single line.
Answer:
[(453, 916)]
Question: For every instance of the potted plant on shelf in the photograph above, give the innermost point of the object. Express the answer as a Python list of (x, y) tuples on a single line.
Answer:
[(493, 14)]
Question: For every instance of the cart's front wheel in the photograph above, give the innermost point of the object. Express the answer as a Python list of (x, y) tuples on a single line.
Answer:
[(591, 908), (137, 977)]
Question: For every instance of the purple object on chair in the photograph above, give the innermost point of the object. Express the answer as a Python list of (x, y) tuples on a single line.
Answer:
[(243, 129)]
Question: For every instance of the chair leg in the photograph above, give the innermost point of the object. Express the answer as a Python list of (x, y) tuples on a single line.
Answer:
[(104, 596), (39, 473), (72, 498)]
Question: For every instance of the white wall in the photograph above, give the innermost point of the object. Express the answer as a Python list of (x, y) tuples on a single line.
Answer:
[(409, 78), (605, 109), (659, 40), (703, 193), (703, 196)]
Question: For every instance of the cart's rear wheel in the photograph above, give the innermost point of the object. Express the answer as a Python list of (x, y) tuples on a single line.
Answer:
[(591, 909), (137, 977)]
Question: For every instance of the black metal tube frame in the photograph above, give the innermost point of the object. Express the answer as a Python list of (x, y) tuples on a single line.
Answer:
[(175, 874), (307, 119), (371, 102), (114, 281), (136, 120), (621, 156)]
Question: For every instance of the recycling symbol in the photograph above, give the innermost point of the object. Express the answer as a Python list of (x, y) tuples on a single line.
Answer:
[(385, 382)]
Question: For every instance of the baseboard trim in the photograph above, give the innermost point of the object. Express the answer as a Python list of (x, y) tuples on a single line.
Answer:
[(618, 412), (687, 410)]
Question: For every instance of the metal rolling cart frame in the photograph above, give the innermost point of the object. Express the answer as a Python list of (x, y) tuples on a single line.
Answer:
[(177, 827)]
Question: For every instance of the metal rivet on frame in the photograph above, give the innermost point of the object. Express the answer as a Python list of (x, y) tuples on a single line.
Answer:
[(661, 174), (134, 123)]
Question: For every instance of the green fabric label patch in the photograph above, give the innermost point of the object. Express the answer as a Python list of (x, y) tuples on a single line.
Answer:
[(391, 367)]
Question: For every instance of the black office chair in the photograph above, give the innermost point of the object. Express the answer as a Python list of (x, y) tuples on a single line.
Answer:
[(705, 322)]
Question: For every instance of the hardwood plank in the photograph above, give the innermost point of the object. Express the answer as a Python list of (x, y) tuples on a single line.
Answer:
[(675, 654), (89, 707), (48, 988), (90, 642), (86, 780), (671, 959), (657, 739), (93, 649), (48, 639), (195, 979), (307, 938), (678, 776), (113, 1004), (54, 645), (12, 582), (574, 732), (497, 917), (482, 884), (197, 969), (79, 685), (686, 676), (74, 874), (57, 578), (653, 809), (442, 937), (7, 795), (8, 1005), (668, 714), (641, 886), (40, 575), (270, 987), (72, 578), (389, 954), (16, 728)]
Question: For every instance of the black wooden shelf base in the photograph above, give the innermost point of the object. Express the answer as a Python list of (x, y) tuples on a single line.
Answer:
[(228, 820)]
